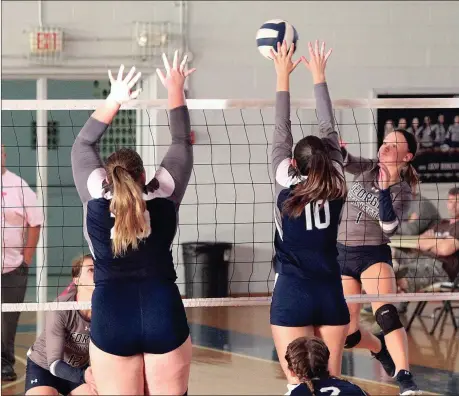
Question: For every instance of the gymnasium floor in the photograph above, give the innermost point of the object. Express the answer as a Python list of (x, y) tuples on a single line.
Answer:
[(234, 355)]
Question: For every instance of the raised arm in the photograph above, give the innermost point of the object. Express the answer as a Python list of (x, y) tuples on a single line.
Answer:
[(56, 322), (356, 165), (87, 166), (282, 138), (316, 65), (177, 164)]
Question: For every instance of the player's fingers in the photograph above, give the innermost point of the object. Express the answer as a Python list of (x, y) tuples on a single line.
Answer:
[(166, 64), (284, 48), (110, 77), (328, 54), (175, 61), (134, 80), (295, 64), (136, 93), (291, 50), (188, 72), (182, 65), (130, 74), (120, 73)]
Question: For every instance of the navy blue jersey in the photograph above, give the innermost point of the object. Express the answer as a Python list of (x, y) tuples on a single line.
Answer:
[(306, 245), (328, 387), (162, 196), (153, 256)]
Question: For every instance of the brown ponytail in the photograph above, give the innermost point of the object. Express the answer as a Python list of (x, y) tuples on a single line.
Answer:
[(124, 169), (411, 177), (323, 182), (409, 174)]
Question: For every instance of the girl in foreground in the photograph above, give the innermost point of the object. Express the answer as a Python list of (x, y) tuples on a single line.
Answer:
[(307, 361)]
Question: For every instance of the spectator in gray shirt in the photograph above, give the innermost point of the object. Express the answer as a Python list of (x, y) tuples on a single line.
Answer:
[(414, 126), (439, 130), (452, 136)]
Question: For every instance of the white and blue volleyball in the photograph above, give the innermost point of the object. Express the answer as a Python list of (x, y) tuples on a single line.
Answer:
[(275, 31)]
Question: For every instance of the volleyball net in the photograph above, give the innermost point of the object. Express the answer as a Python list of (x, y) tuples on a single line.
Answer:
[(223, 250)]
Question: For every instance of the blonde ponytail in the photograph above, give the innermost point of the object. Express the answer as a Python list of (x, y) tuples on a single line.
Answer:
[(129, 207)]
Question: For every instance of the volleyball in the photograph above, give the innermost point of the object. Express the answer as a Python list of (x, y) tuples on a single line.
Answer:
[(275, 31)]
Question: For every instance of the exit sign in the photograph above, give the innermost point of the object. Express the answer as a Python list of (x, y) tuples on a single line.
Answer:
[(45, 41)]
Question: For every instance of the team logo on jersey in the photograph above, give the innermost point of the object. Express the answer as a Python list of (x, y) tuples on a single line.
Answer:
[(78, 342), (366, 201)]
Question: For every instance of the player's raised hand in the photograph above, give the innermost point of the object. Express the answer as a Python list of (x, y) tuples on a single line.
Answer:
[(283, 59), (383, 177), (175, 75), (121, 89), (317, 61)]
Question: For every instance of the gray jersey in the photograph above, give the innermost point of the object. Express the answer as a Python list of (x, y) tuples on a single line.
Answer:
[(453, 133), (65, 338), (439, 133), (425, 136), (360, 223)]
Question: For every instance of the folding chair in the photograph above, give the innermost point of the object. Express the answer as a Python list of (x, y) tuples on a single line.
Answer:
[(447, 307)]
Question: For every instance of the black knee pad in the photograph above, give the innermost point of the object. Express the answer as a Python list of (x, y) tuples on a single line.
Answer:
[(353, 339), (388, 319)]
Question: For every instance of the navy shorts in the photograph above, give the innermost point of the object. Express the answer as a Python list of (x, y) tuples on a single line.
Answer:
[(38, 376), (354, 260), (301, 302), (141, 316)]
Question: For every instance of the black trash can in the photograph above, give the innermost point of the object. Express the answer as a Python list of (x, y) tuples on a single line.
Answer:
[(206, 269)]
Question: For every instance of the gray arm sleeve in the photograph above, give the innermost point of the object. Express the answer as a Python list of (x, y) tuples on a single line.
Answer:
[(65, 371), (178, 160), (55, 336), (85, 158), (55, 344), (282, 139), (391, 212), (356, 165), (327, 123)]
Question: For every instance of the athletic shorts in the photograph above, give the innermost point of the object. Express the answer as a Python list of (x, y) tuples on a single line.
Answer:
[(298, 302), (354, 260), (38, 376), (141, 316)]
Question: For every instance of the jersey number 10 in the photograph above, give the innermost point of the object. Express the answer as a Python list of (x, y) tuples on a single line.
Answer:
[(317, 220)]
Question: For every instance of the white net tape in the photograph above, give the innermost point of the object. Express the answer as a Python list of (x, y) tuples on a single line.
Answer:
[(236, 301), (230, 195)]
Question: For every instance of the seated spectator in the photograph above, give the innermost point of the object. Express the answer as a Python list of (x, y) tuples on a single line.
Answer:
[(452, 136), (421, 215), (436, 258)]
